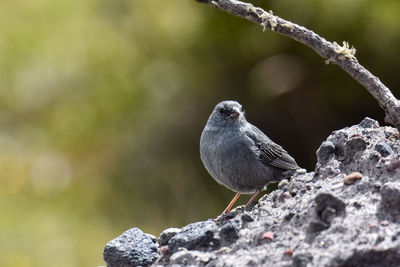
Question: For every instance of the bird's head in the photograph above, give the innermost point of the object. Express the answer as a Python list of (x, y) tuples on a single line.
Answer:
[(226, 113)]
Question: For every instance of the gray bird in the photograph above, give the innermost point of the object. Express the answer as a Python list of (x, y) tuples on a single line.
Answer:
[(239, 155)]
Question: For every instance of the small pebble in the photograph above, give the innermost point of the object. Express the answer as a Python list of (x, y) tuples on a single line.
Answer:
[(384, 223), (289, 216), (383, 149), (292, 190), (167, 234), (352, 178), (325, 151), (377, 186), (283, 183), (284, 195), (394, 136), (247, 218), (301, 171), (268, 235), (223, 250), (288, 252), (393, 165), (357, 204), (164, 249)]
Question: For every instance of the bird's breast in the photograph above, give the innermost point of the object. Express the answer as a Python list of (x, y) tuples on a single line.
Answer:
[(227, 156)]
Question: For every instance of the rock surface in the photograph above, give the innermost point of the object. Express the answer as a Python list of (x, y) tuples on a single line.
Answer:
[(132, 248), (345, 213)]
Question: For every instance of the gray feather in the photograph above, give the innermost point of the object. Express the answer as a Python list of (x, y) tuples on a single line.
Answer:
[(271, 153)]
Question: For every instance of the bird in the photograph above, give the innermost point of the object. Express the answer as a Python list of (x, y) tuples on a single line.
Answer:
[(240, 156)]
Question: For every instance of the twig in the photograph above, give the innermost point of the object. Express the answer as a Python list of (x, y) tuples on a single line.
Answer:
[(343, 56)]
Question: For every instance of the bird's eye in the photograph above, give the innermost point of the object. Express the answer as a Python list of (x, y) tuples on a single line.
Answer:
[(221, 111)]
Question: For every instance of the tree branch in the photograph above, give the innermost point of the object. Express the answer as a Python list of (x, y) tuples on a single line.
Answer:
[(343, 56)]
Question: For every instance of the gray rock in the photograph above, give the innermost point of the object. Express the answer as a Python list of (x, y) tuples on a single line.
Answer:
[(371, 257), (383, 149), (185, 257), (393, 165), (289, 216), (390, 195), (368, 123), (328, 206), (228, 234), (354, 145), (132, 248), (166, 235), (389, 208), (196, 236), (325, 151), (302, 260), (247, 218), (316, 227), (316, 219)]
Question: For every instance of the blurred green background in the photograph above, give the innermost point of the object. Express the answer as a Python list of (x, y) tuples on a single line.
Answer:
[(102, 104)]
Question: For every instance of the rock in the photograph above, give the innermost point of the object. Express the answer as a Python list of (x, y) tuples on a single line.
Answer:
[(185, 258), (247, 218), (132, 248), (383, 149), (384, 223), (355, 145), (390, 195), (373, 257), (325, 151), (302, 260), (289, 216), (393, 165), (196, 236), (283, 183), (327, 208), (390, 201), (166, 235), (368, 123), (284, 195), (288, 252), (316, 227), (316, 218), (352, 178), (228, 234), (328, 205), (164, 249), (301, 171), (267, 235)]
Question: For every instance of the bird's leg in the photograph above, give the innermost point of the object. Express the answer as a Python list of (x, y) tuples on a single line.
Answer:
[(252, 198), (231, 203)]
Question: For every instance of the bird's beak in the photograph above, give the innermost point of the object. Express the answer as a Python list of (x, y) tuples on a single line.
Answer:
[(235, 114)]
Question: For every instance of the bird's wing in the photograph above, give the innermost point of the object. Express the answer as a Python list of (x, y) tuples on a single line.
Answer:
[(269, 152), (275, 155)]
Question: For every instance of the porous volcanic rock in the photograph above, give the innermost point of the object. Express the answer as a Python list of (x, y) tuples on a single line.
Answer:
[(319, 218), (132, 248)]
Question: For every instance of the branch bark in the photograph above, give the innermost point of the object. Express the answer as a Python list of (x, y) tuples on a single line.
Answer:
[(343, 56)]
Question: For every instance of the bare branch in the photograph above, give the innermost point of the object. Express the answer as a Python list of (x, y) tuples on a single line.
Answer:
[(343, 56)]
